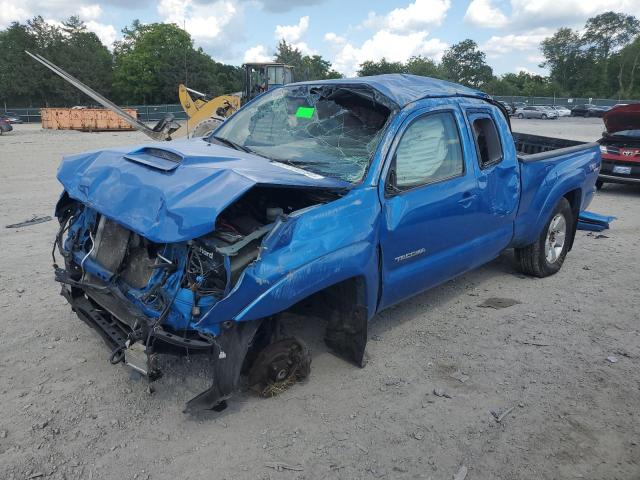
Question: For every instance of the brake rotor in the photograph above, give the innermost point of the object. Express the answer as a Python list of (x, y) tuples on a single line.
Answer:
[(279, 365)]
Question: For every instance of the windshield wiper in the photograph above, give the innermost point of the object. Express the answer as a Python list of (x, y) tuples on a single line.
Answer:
[(232, 144)]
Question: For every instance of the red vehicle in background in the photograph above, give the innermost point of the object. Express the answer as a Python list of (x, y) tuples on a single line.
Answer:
[(620, 146), (5, 126)]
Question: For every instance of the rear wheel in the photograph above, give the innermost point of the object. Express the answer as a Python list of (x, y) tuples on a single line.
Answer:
[(546, 255), (520, 115), (544, 116), (599, 184)]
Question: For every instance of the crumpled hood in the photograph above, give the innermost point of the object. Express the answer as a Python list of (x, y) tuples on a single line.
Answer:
[(624, 117), (173, 193)]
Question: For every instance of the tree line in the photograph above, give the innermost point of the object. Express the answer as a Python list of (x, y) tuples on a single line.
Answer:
[(147, 64)]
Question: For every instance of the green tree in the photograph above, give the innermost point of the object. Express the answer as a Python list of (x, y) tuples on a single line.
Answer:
[(305, 67), (426, 67), (380, 67), (606, 32), (152, 60), (465, 63), (563, 56), (71, 46), (18, 73), (627, 63)]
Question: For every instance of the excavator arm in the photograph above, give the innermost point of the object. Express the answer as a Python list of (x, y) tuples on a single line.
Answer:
[(200, 109)]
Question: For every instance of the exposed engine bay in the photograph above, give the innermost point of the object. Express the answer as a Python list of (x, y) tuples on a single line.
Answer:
[(147, 298), (174, 284)]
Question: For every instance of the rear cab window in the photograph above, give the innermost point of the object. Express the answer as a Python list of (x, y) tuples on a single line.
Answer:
[(486, 138)]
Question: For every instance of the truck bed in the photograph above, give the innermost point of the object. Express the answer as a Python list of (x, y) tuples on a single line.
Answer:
[(536, 147)]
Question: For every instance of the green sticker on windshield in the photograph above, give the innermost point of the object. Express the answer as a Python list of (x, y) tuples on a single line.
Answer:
[(305, 112)]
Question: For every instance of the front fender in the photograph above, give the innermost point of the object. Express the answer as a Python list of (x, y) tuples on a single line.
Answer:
[(357, 260), (309, 251)]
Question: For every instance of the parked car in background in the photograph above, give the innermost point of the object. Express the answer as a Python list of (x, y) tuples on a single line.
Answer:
[(508, 107), (620, 146), (588, 110), (5, 126), (561, 110), (536, 112), (11, 117), (516, 105)]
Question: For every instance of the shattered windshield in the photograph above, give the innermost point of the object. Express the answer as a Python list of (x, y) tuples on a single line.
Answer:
[(328, 130)]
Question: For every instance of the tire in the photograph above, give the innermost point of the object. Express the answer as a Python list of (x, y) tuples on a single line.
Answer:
[(544, 116), (540, 259), (205, 127), (599, 184), (520, 116)]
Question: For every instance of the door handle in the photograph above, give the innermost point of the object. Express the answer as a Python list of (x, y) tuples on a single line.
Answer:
[(467, 198)]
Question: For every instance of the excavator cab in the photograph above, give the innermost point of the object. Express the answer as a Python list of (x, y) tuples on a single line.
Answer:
[(260, 77)]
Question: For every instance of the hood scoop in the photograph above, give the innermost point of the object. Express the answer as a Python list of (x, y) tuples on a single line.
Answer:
[(159, 158)]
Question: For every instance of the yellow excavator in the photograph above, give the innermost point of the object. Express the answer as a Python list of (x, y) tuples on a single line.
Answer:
[(204, 113)]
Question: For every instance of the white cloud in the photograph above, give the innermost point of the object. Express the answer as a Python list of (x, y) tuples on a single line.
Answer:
[(207, 23), (392, 46), (414, 18), (548, 13), (527, 42), (257, 54), (106, 33), (10, 12), (482, 13), (571, 12), (90, 12), (292, 33), (334, 38)]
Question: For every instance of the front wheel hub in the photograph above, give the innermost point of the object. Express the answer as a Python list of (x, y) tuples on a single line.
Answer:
[(280, 365)]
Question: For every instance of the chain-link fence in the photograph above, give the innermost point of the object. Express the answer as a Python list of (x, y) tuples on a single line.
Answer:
[(153, 113), (564, 101), (146, 113)]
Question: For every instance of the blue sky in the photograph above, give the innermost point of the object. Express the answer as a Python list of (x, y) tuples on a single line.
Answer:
[(345, 32)]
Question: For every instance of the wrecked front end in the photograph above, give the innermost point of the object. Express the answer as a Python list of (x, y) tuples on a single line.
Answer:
[(199, 247), (147, 298)]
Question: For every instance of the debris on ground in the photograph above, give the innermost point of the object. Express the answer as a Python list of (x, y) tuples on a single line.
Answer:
[(441, 392), (460, 376), (498, 303), (534, 344), (462, 473), (499, 416), (34, 221), (612, 359), (281, 467), (418, 434), (594, 221)]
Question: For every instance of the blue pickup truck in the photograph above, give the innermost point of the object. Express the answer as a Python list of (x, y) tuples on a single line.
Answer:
[(350, 195)]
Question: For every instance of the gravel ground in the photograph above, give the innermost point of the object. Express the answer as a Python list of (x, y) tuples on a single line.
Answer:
[(65, 413)]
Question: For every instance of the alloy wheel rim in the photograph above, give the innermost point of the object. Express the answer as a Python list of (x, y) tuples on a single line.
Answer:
[(556, 237)]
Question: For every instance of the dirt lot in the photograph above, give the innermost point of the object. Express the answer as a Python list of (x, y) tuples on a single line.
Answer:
[(65, 413)]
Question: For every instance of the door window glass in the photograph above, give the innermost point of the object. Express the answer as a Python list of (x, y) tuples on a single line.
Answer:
[(429, 151)]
